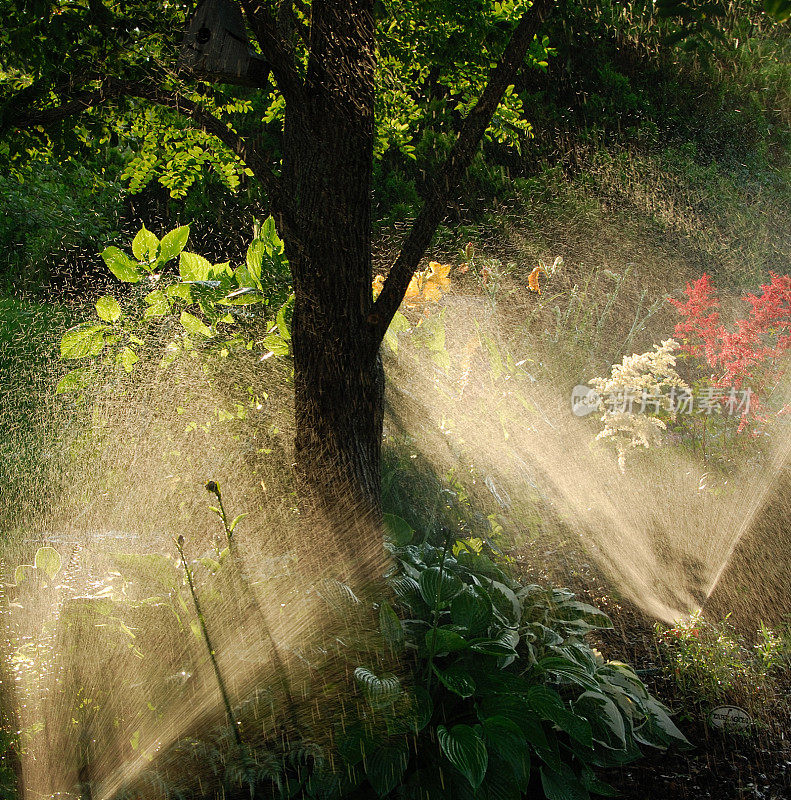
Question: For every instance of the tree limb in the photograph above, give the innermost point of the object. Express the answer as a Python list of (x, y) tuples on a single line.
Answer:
[(111, 89), (275, 48), (447, 177)]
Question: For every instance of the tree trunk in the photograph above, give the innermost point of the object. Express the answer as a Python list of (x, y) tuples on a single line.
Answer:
[(326, 214)]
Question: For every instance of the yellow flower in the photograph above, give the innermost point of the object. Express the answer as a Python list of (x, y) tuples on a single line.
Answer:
[(378, 283)]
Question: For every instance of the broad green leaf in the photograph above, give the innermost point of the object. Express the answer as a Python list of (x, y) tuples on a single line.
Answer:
[(505, 601), (108, 309), (505, 738), (180, 291), (574, 610), (193, 267), (24, 572), (466, 751), (471, 609), (74, 381), (398, 324), (494, 647), (398, 530), (127, 359), (424, 707), (601, 710), (567, 670), (145, 246), (158, 304), (390, 625), (564, 786), (173, 243), (194, 326), (379, 691), (442, 640), (457, 679), (276, 345), (385, 768), (439, 587), (48, 561), (121, 265), (255, 257), (82, 341)]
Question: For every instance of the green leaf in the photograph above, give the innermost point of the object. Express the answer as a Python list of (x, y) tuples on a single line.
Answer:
[(466, 751), (574, 610), (494, 647), (173, 243), (505, 601), (82, 341), (255, 257), (379, 691), (442, 640), (568, 670), (24, 572), (193, 267), (398, 530), (457, 679), (108, 309), (74, 381), (390, 626), (549, 705), (121, 265), (439, 587), (385, 768), (127, 359), (564, 786), (423, 707), (194, 326), (48, 561), (779, 10), (158, 304), (145, 246), (505, 738), (276, 345), (471, 609), (600, 709)]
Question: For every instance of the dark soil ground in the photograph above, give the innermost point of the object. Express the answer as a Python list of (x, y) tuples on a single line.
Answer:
[(755, 765)]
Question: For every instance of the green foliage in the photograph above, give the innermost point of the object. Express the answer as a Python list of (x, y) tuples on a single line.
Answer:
[(504, 695), (211, 307)]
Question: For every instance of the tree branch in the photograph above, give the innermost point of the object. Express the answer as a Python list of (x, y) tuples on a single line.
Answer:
[(275, 48), (111, 89), (447, 177)]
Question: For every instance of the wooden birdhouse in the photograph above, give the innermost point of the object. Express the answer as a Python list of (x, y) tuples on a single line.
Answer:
[(216, 46)]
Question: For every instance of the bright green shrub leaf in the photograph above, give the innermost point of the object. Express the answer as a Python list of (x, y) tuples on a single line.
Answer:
[(121, 265), (398, 530), (127, 359), (48, 561), (173, 243), (74, 381), (390, 625), (439, 587), (255, 259), (158, 304), (23, 573), (179, 291), (457, 679), (466, 751), (194, 326), (193, 267), (276, 345), (145, 246), (471, 609), (441, 640), (385, 768), (108, 309), (82, 341)]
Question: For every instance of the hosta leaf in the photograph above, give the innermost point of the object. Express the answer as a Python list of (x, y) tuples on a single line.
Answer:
[(568, 670), (379, 691), (564, 786), (505, 738), (442, 640), (108, 309), (471, 609), (439, 587), (398, 530), (466, 751), (121, 265), (548, 705), (494, 647), (385, 768), (390, 625), (601, 710), (457, 679), (505, 601), (574, 610)]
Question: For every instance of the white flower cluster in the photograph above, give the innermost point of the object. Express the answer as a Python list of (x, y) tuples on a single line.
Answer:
[(639, 378)]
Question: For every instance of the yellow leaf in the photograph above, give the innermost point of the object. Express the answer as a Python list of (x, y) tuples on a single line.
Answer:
[(532, 280)]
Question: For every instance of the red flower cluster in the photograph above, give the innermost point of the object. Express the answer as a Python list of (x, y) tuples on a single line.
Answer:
[(737, 355)]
